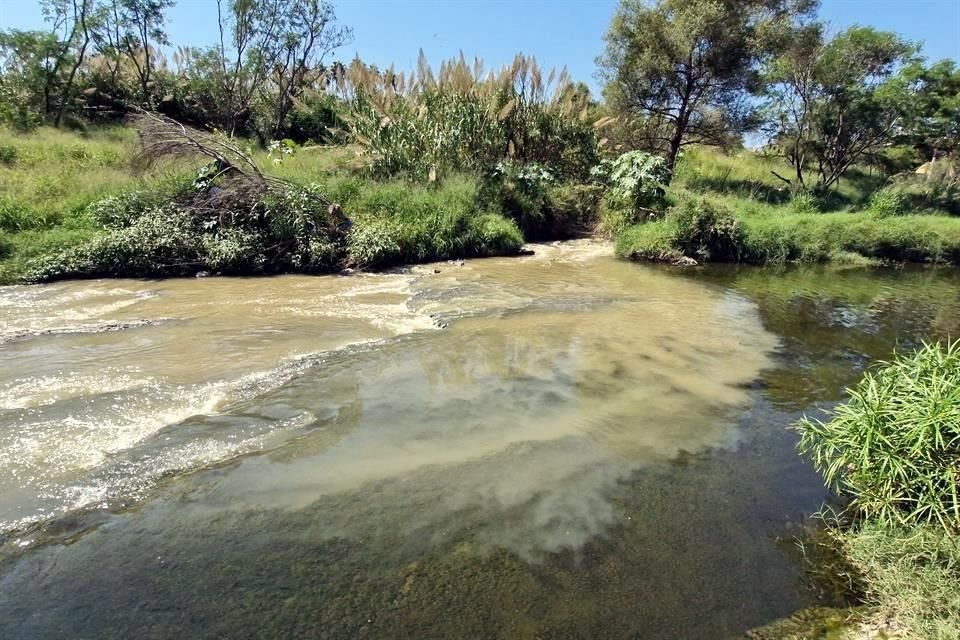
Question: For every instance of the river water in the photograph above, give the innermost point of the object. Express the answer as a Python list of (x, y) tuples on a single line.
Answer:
[(557, 446)]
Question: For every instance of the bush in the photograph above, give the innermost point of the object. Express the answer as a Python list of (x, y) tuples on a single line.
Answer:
[(705, 230), (8, 154), (521, 192), (804, 202), (894, 446), (161, 243), (636, 180), (886, 203), (574, 209)]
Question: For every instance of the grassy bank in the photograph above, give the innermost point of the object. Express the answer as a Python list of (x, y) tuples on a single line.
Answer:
[(731, 208), (892, 451), (788, 237), (72, 207)]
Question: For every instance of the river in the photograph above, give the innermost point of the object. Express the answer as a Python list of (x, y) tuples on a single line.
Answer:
[(563, 445)]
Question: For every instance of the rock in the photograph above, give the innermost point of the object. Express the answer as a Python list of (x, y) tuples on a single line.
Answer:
[(526, 252), (685, 261), (203, 274), (346, 272), (436, 270)]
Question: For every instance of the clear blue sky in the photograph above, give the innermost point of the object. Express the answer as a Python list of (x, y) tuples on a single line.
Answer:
[(558, 32)]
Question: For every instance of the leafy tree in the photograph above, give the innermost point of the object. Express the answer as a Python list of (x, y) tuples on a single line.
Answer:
[(141, 25), (270, 52), (934, 112), (836, 102), (29, 68), (685, 67), (309, 33)]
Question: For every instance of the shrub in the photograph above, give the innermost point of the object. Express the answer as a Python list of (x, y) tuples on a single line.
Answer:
[(705, 230), (574, 209), (234, 252), (521, 192), (123, 209), (162, 242), (8, 154), (804, 202), (886, 203), (894, 446), (637, 180)]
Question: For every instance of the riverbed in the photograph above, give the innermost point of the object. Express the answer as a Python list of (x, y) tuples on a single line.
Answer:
[(563, 445)]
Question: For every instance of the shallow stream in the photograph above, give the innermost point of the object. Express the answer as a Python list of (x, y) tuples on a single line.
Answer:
[(557, 446)]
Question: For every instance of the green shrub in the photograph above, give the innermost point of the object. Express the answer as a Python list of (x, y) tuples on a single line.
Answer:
[(122, 209), (161, 243), (521, 192), (886, 203), (894, 446), (705, 230), (8, 154), (234, 252), (654, 241), (637, 180), (804, 202), (613, 220), (574, 209)]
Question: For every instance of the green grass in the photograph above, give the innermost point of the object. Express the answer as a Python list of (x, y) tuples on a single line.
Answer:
[(910, 575), (857, 223), (772, 235), (49, 179)]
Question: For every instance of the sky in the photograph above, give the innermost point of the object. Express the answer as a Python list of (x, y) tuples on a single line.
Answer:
[(558, 32)]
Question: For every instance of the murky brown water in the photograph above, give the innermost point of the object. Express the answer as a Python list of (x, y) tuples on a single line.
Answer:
[(563, 445)]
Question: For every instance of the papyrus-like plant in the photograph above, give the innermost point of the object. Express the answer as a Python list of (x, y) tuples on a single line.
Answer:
[(894, 446)]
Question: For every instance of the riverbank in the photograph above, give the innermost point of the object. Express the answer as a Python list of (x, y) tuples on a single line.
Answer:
[(732, 208), (72, 207)]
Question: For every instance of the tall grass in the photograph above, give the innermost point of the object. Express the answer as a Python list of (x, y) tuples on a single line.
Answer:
[(462, 117), (49, 176)]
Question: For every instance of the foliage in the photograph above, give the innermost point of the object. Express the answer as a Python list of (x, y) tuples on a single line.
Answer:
[(520, 191), (697, 228), (772, 236), (932, 115), (886, 203), (427, 124), (685, 66), (894, 446), (804, 202), (637, 180), (833, 103), (910, 574), (705, 230)]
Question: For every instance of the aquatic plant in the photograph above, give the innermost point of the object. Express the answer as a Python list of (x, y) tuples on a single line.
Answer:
[(894, 446)]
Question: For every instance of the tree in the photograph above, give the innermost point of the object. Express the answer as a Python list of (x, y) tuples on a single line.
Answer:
[(310, 33), (141, 26), (686, 67), (271, 51), (934, 113), (84, 23), (836, 102)]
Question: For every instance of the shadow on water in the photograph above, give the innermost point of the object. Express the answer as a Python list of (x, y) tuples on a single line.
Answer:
[(607, 470)]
